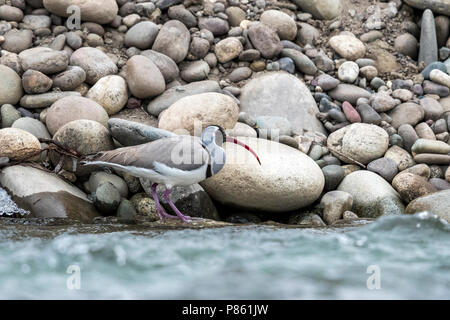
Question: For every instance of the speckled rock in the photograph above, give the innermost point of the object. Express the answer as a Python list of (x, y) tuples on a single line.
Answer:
[(436, 203), (17, 144), (411, 186), (110, 92), (359, 141)]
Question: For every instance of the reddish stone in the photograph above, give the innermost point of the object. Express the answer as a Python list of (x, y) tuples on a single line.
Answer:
[(350, 113)]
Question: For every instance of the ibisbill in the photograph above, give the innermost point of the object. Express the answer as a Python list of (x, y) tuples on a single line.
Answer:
[(172, 161)]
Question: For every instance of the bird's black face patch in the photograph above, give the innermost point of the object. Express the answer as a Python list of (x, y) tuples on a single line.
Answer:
[(214, 134)]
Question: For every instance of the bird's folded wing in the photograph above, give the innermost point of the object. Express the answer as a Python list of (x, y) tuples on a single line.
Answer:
[(182, 152)]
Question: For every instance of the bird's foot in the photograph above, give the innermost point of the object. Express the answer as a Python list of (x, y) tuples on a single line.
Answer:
[(164, 215)]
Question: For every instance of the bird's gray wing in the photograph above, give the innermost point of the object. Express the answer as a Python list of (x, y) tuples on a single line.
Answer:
[(181, 152)]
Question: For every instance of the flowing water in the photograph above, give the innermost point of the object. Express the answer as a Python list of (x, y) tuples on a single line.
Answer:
[(394, 257)]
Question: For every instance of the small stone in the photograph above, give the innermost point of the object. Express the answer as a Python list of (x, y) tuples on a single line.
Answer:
[(385, 167), (94, 62), (36, 82), (430, 146), (126, 211), (433, 109), (407, 45), (141, 35), (411, 187), (302, 62), (348, 47), (265, 40), (402, 94), (350, 113), (144, 78), (110, 92), (369, 72), (348, 72), (359, 141), (434, 65), (74, 108), (428, 42), (406, 113), (335, 203), (228, 49), (333, 174), (327, 82), (282, 23), (440, 77), (107, 198)]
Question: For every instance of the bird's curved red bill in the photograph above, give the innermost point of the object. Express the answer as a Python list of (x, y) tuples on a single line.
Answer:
[(236, 141)]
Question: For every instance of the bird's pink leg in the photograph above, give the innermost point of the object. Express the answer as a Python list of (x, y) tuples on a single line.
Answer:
[(159, 209), (174, 208)]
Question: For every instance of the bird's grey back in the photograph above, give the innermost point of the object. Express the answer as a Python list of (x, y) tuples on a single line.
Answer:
[(181, 152)]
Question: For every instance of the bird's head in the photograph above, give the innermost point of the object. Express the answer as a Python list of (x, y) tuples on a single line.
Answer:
[(213, 138)]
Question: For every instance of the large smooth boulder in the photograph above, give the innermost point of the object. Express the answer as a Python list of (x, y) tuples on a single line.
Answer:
[(360, 141), (90, 10), (46, 195), (10, 86), (94, 62), (281, 94), (436, 203), (173, 40), (74, 108), (372, 195), (437, 6), (287, 179), (194, 113), (321, 9)]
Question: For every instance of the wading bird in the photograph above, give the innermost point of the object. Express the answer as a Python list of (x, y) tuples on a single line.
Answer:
[(172, 161)]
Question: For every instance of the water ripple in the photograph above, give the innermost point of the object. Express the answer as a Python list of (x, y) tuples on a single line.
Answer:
[(411, 253)]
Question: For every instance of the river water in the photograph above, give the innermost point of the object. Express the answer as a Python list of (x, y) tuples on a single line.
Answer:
[(394, 257)]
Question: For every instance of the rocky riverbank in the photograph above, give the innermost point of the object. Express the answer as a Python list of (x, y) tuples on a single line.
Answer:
[(347, 104)]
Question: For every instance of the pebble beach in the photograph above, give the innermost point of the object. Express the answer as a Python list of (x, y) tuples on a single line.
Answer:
[(347, 104)]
